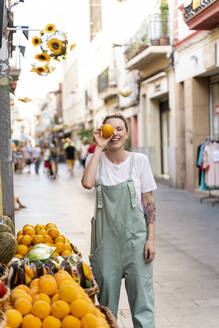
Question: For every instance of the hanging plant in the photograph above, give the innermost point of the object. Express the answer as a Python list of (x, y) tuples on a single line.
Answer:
[(53, 44), (126, 93)]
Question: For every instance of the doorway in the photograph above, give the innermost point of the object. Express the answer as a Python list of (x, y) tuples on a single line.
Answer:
[(164, 136)]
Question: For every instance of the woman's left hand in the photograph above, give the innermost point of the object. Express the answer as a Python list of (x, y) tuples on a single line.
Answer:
[(149, 251)]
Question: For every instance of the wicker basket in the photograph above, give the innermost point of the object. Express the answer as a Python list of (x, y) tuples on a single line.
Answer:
[(4, 277), (5, 298), (91, 292), (3, 320), (76, 251), (109, 316)]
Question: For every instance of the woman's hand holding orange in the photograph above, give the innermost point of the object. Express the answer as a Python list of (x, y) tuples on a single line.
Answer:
[(100, 140)]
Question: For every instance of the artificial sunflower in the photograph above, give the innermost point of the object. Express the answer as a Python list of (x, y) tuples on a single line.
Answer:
[(55, 45), (39, 70), (72, 46), (50, 28), (36, 41), (43, 57)]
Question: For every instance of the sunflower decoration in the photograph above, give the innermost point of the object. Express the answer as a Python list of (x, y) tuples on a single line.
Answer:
[(25, 99), (53, 44), (43, 57), (36, 41), (50, 28)]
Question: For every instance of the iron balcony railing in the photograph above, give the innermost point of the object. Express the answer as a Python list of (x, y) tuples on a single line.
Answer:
[(194, 9)]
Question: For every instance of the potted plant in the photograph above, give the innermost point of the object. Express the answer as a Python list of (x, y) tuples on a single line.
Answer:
[(164, 10)]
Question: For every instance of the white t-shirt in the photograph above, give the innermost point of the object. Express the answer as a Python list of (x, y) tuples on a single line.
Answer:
[(116, 173)]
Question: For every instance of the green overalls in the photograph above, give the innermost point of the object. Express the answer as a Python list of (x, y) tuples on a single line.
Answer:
[(118, 237)]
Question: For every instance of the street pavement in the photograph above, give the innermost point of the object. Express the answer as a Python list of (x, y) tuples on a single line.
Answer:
[(186, 269)]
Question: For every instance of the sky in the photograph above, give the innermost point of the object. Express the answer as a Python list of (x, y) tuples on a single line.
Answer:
[(38, 13)]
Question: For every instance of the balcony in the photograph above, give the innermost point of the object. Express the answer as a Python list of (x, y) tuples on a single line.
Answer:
[(151, 38), (106, 89), (202, 15)]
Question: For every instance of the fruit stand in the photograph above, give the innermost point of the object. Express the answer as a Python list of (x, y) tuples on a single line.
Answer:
[(44, 281)]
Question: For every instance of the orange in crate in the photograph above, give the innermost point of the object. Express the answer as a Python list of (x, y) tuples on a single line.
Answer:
[(29, 231), (38, 239), (48, 285), (14, 318), (26, 240), (53, 232), (30, 321), (41, 309)]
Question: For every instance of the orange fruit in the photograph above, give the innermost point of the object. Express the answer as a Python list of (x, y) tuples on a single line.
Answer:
[(23, 305), (107, 130), (60, 309), (18, 255), (71, 322), (53, 232), (55, 254), (19, 238), (67, 247), (28, 225), (17, 293), (39, 227), (66, 252), (43, 297), (34, 291), (22, 249), (48, 239), (48, 285), (55, 298), (38, 239), (60, 247), (69, 292), (29, 230), (89, 320), (30, 321), (41, 309), (35, 283), (51, 322), (60, 239), (23, 287), (42, 232), (51, 225), (79, 308), (20, 233), (14, 318)]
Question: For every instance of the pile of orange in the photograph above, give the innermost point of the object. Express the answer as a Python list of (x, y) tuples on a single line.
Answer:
[(46, 234), (53, 302)]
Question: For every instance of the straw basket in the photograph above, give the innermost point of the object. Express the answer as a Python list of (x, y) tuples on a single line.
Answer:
[(5, 298), (76, 251), (3, 321), (91, 292), (109, 316), (4, 277)]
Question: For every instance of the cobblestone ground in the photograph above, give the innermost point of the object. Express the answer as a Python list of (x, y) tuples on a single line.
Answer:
[(187, 261)]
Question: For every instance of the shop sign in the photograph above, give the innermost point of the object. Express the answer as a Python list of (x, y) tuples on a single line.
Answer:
[(217, 109)]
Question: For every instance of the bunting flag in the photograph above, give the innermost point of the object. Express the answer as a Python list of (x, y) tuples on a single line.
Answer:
[(26, 32), (22, 49)]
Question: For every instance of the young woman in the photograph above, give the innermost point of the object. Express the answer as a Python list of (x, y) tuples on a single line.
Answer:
[(123, 230)]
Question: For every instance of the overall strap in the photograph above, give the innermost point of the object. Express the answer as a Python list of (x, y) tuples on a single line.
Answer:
[(99, 189), (131, 185)]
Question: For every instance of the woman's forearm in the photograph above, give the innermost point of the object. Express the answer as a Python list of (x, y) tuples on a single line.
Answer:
[(150, 213), (89, 177)]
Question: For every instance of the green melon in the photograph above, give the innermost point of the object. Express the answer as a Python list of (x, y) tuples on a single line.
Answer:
[(4, 228), (8, 247), (6, 220)]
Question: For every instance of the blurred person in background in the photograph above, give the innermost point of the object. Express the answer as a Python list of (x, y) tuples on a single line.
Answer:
[(37, 157), (46, 156), (19, 159), (28, 156), (17, 204), (70, 150), (83, 154), (54, 158)]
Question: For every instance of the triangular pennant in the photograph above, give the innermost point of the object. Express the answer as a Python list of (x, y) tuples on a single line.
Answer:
[(26, 33), (13, 48), (22, 48)]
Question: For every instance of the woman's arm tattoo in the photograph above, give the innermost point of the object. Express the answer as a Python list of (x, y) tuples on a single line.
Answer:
[(150, 212)]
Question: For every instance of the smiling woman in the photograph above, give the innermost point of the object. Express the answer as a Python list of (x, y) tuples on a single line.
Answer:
[(122, 231)]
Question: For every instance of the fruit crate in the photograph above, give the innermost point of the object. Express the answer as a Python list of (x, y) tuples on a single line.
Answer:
[(3, 322)]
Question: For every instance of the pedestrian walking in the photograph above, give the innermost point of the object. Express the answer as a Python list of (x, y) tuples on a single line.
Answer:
[(19, 159), (54, 158), (37, 157), (70, 150), (46, 157), (28, 156), (83, 154), (123, 228)]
